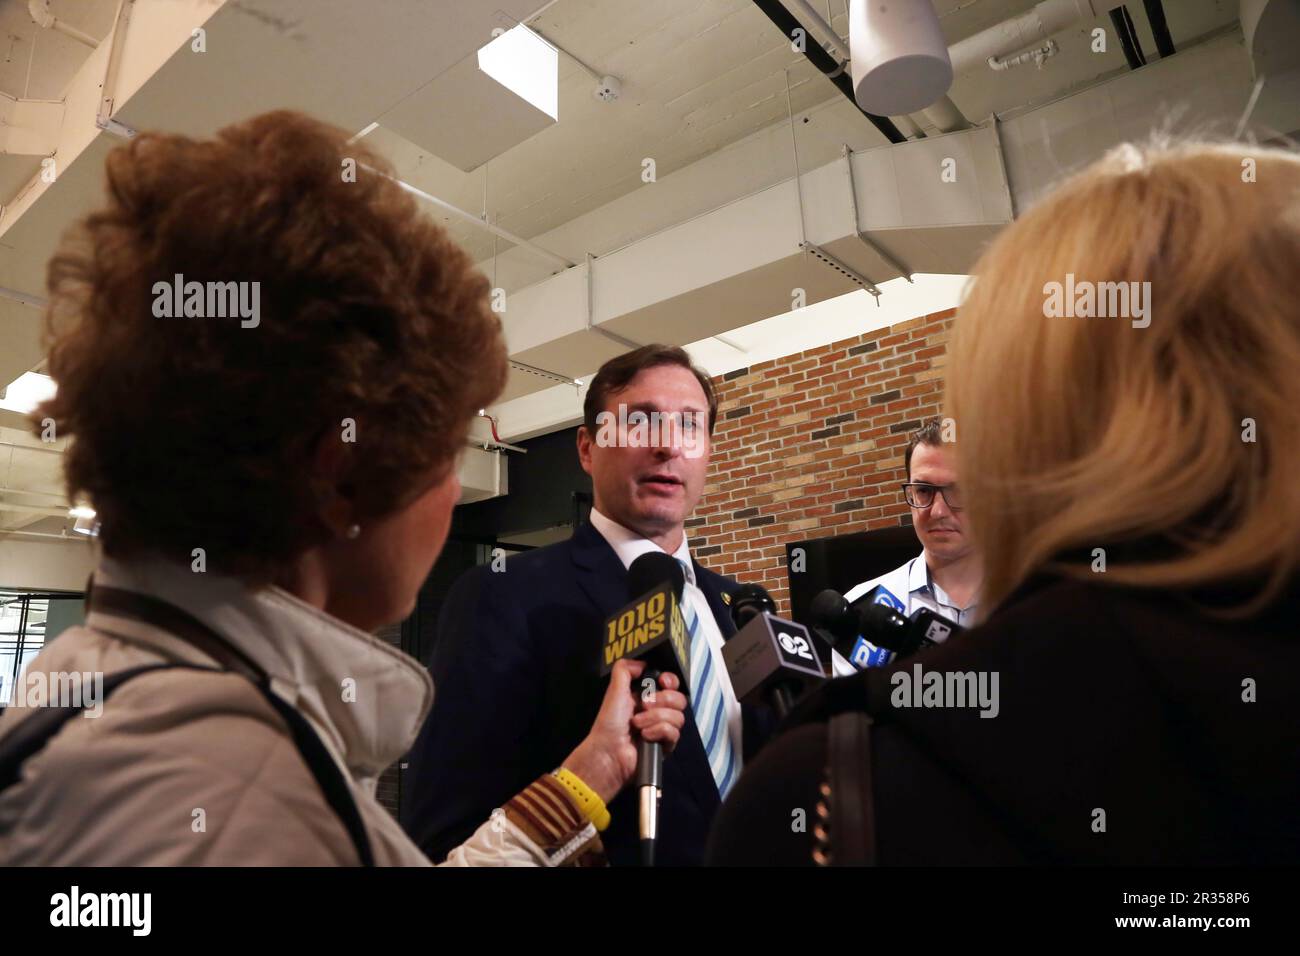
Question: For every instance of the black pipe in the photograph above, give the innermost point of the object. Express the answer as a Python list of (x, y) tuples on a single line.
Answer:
[(787, 24), (1133, 36), (1123, 24), (1159, 27)]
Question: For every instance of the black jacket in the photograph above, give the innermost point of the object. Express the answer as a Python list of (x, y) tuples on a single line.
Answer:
[(1118, 700), (517, 685)]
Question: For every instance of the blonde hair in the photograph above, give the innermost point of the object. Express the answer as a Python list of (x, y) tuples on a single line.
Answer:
[(1081, 433)]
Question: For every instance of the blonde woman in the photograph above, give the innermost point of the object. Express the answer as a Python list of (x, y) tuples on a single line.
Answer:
[(1130, 472)]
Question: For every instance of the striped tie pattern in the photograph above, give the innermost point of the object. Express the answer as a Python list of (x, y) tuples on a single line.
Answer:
[(707, 703)]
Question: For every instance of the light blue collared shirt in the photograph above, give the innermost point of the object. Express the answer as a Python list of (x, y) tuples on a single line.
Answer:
[(913, 584)]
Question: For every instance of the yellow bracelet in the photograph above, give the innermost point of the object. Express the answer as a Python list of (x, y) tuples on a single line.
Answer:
[(592, 807)]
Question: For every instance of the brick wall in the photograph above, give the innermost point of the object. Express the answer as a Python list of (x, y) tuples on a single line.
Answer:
[(810, 446)]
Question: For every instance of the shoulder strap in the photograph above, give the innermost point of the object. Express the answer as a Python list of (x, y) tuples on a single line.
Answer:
[(184, 626), (176, 622), (36, 731), (330, 779), (852, 822)]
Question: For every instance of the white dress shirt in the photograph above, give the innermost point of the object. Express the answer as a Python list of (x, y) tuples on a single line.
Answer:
[(629, 546), (913, 584)]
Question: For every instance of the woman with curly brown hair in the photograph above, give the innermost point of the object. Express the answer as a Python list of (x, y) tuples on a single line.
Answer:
[(268, 361)]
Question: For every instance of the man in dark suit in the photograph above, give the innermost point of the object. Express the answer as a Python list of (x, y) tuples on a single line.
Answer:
[(517, 663)]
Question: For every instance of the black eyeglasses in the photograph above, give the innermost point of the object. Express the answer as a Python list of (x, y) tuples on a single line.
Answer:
[(921, 495)]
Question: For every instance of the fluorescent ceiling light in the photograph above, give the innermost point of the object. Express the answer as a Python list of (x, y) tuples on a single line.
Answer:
[(27, 391), (527, 65), (82, 511)]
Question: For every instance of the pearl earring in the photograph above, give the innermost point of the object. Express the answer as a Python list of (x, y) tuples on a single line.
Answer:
[(353, 530)]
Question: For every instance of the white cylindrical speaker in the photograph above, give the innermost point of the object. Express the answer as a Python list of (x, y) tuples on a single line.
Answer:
[(900, 59)]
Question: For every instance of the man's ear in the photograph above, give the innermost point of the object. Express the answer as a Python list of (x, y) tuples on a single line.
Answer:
[(584, 448)]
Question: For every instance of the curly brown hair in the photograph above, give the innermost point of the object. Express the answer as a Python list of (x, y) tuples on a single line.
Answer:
[(201, 432)]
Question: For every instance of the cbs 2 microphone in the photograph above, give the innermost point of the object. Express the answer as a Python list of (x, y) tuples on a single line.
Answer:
[(749, 600), (771, 659)]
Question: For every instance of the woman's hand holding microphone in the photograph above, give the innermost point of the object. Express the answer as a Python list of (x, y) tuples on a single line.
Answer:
[(606, 758)]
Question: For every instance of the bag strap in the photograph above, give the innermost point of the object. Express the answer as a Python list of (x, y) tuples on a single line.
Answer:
[(846, 834), (328, 776), (184, 626), (30, 736), (180, 624)]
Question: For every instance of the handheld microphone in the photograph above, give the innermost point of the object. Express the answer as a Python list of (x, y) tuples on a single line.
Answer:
[(929, 628), (650, 628), (886, 627), (873, 629), (886, 642), (749, 600), (832, 614), (831, 622), (769, 659), (881, 622)]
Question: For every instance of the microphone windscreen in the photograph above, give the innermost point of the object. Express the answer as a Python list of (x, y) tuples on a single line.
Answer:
[(829, 610), (748, 601), (652, 569), (883, 626)]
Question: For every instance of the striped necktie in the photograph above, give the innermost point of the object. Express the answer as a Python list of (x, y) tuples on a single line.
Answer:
[(707, 701)]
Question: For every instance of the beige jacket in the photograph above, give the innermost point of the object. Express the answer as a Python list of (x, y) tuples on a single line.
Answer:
[(188, 768)]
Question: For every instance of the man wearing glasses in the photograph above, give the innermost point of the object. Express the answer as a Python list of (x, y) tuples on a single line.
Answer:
[(946, 575)]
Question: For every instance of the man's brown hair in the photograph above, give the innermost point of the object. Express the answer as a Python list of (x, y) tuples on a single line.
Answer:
[(617, 374), (929, 433), (194, 432)]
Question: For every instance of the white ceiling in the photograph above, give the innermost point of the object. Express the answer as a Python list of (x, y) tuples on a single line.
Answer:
[(699, 75), (36, 63), (31, 480)]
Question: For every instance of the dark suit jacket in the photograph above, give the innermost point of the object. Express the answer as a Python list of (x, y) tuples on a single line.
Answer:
[(517, 684)]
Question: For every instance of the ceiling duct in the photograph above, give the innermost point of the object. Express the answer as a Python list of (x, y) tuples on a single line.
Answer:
[(721, 268), (482, 474)]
